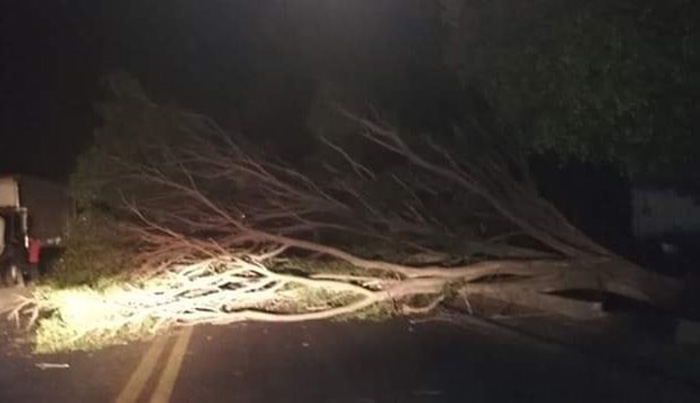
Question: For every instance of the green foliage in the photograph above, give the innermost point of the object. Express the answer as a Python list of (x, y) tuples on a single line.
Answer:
[(97, 250), (378, 312), (133, 133), (608, 82)]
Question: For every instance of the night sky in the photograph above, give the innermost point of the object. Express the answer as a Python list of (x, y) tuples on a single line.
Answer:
[(54, 53), (248, 63), (49, 63)]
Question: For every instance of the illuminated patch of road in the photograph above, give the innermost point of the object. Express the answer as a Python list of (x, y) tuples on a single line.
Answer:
[(145, 370), (172, 368), (134, 387)]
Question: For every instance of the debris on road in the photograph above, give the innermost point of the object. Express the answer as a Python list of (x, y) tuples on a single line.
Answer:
[(49, 365)]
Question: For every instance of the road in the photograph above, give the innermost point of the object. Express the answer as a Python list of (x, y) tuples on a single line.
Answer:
[(359, 362)]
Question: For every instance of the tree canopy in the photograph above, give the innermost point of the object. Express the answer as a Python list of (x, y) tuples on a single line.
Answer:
[(610, 82)]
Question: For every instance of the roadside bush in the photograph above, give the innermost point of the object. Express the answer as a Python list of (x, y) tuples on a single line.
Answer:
[(97, 250)]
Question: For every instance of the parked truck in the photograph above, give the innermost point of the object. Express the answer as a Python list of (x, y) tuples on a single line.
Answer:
[(34, 213)]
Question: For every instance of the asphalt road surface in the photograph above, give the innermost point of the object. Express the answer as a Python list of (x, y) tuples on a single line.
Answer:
[(360, 362)]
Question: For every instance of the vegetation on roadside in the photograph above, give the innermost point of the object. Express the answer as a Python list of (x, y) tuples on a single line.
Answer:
[(230, 233), (84, 318), (86, 305), (76, 313), (89, 318), (96, 250)]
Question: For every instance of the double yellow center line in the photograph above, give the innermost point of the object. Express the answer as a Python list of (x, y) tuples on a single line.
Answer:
[(164, 388)]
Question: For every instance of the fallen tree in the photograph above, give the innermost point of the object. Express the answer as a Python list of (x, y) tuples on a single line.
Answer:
[(225, 234)]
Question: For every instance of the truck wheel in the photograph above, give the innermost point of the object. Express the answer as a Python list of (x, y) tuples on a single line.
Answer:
[(13, 276)]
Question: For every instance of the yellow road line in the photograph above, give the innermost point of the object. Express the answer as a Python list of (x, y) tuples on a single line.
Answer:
[(133, 388), (172, 368)]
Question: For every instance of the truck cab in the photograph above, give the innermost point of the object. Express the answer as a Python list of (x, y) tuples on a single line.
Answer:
[(33, 212), (13, 242)]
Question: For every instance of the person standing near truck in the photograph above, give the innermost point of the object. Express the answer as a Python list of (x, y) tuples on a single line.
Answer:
[(33, 254)]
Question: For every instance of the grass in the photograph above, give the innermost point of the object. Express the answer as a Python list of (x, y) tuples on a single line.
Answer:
[(82, 318), (85, 319), (55, 335), (76, 313), (96, 251), (378, 312), (93, 316), (307, 299), (299, 299), (78, 309)]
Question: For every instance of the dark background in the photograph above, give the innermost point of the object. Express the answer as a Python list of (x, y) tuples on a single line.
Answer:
[(53, 54), (254, 65)]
